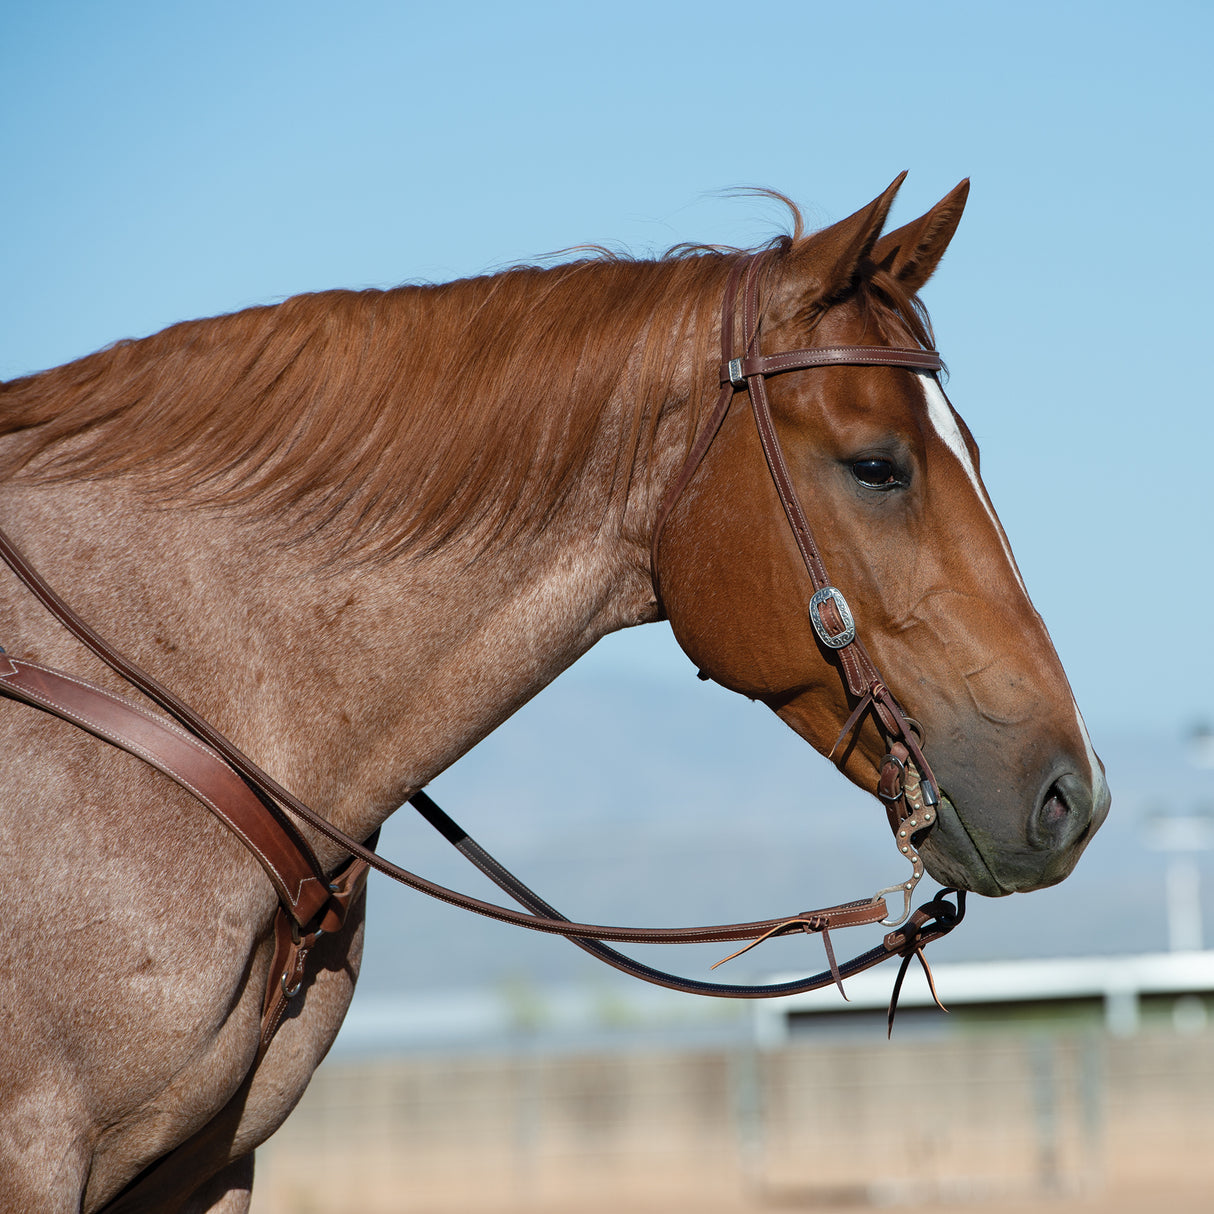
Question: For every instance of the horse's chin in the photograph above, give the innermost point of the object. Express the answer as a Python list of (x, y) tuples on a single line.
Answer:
[(951, 856), (966, 857)]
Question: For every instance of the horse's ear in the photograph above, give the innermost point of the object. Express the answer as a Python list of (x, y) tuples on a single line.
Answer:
[(912, 253), (824, 267)]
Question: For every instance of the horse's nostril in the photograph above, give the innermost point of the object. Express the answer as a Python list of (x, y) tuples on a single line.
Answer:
[(1064, 814), (1054, 810)]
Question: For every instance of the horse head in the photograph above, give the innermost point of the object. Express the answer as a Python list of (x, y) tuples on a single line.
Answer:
[(888, 476)]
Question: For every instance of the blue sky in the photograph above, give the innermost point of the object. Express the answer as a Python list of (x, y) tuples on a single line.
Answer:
[(160, 161), (163, 161)]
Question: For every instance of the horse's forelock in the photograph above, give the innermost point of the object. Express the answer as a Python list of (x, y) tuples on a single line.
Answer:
[(901, 313)]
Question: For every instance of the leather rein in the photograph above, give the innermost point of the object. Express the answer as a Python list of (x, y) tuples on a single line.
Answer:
[(266, 817)]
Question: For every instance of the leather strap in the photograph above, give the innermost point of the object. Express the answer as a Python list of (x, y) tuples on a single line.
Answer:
[(195, 767), (837, 356), (185, 760), (203, 773), (224, 750), (863, 678), (288, 970), (749, 372), (850, 914), (707, 432), (183, 714), (200, 770)]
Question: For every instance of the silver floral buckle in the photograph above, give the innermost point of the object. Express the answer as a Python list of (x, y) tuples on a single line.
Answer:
[(833, 640)]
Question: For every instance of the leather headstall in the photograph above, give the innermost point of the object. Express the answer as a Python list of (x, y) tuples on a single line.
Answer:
[(906, 783), (273, 824)]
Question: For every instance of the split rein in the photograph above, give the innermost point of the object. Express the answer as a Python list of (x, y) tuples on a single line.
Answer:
[(264, 816)]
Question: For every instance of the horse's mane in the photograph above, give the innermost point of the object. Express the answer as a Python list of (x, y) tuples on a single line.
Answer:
[(392, 418)]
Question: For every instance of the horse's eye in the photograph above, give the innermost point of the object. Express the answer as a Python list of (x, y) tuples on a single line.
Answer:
[(876, 473)]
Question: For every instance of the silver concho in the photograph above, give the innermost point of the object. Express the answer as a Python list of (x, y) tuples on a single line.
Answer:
[(833, 640)]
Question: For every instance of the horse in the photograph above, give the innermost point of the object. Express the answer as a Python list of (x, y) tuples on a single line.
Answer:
[(356, 530)]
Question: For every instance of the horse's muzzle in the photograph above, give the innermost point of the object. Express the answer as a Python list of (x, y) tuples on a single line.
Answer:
[(970, 847)]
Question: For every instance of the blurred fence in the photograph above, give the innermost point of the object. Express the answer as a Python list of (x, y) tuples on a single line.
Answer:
[(968, 1120)]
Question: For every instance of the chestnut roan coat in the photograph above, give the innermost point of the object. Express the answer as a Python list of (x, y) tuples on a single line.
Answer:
[(356, 531)]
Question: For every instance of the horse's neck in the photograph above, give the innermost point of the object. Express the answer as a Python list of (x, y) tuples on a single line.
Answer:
[(352, 686), (355, 683)]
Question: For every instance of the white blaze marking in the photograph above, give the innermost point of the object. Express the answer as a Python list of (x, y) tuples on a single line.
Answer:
[(1098, 781), (941, 416)]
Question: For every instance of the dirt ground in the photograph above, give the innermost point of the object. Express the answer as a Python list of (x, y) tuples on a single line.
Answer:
[(1006, 1125), (1181, 1199), (1173, 1199), (1169, 1198)]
